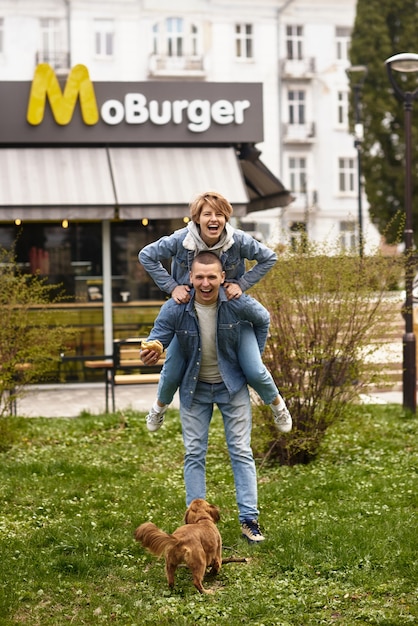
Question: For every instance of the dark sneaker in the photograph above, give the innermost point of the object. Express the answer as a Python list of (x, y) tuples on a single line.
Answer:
[(155, 419), (251, 531)]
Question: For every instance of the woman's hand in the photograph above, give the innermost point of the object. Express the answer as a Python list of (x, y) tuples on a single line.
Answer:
[(181, 294), (232, 290)]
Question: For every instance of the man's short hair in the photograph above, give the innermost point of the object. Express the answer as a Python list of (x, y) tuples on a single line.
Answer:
[(207, 258)]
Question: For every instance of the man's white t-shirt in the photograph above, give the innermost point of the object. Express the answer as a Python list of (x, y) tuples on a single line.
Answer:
[(209, 370)]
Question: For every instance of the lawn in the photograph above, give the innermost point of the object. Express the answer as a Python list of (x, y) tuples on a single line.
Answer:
[(342, 540)]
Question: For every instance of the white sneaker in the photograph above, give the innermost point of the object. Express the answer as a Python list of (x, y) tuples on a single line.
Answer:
[(282, 417), (155, 417)]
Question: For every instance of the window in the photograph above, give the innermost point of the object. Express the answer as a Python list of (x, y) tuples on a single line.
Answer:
[(296, 103), (243, 41), (348, 235), (72, 257), (194, 40), (297, 174), (50, 40), (346, 175), (342, 108), (104, 38), (1, 35), (175, 37), (52, 48), (294, 42), (155, 43), (342, 38)]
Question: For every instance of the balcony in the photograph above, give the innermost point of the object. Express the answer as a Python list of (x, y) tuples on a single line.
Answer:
[(303, 69), (299, 133), (59, 61), (164, 66)]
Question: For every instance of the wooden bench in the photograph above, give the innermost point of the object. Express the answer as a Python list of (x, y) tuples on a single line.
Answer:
[(125, 367)]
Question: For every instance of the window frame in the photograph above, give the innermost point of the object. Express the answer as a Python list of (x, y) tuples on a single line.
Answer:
[(244, 41), (1, 36), (343, 43), (296, 107), (298, 173), (176, 43), (348, 235), (175, 36), (347, 170), (50, 30), (343, 107), (294, 42), (104, 38)]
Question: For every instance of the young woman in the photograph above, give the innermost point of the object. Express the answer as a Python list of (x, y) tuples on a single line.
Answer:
[(209, 229)]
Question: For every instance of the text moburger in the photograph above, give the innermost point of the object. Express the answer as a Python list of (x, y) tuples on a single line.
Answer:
[(134, 108)]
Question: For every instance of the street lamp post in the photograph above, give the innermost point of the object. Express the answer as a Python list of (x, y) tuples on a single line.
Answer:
[(407, 62), (359, 72)]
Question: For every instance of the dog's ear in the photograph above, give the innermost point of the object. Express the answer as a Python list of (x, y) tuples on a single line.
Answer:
[(197, 507), (191, 512), (214, 513)]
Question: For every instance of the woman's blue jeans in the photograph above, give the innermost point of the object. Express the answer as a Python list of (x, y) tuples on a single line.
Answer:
[(236, 414), (256, 373)]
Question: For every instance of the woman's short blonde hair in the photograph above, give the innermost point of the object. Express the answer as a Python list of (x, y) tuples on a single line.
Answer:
[(215, 200)]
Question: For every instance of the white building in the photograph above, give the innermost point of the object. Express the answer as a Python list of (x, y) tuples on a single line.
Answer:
[(318, 157), (297, 49)]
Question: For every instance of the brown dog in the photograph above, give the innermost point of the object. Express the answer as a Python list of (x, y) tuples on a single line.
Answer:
[(198, 543)]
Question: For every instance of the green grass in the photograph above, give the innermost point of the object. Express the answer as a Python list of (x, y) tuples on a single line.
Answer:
[(342, 540)]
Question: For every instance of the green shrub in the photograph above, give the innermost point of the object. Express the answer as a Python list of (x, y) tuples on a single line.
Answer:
[(327, 312), (29, 344)]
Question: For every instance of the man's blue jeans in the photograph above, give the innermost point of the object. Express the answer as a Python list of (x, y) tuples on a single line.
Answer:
[(256, 373), (195, 422)]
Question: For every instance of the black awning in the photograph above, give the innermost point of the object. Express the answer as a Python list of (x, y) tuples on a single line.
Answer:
[(264, 189)]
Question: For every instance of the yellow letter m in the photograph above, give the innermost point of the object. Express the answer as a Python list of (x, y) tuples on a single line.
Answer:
[(62, 105)]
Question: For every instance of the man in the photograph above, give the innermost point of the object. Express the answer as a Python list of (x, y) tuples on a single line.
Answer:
[(208, 332)]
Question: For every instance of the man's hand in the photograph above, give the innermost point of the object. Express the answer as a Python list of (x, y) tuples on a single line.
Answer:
[(181, 294), (149, 357), (232, 290)]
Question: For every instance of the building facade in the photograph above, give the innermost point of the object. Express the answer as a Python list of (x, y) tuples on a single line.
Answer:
[(319, 159), (202, 89)]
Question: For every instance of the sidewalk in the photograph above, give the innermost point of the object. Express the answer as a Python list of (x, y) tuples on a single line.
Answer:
[(70, 400)]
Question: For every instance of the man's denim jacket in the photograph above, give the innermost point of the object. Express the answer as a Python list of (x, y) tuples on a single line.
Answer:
[(233, 260), (181, 320)]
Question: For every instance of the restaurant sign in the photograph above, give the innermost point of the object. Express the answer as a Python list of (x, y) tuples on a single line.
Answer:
[(80, 111)]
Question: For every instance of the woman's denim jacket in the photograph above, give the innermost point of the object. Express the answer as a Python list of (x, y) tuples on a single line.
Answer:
[(181, 320), (233, 260)]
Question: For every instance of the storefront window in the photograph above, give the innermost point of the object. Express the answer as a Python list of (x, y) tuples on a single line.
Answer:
[(130, 280), (72, 256)]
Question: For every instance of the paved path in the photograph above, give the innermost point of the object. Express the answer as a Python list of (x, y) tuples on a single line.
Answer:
[(70, 400)]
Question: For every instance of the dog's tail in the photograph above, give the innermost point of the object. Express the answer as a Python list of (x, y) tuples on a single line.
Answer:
[(153, 539)]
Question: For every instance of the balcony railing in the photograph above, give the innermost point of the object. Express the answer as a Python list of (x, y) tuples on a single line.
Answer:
[(57, 60), (188, 66), (299, 133), (298, 68)]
